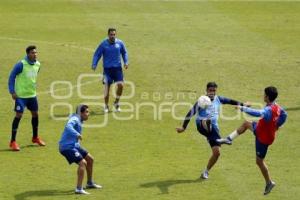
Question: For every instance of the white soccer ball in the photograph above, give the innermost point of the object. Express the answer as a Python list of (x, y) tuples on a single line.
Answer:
[(204, 101)]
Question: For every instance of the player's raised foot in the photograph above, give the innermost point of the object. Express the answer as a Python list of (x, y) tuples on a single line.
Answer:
[(14, 146), (269, 187), (38, 141), (93, 185), (226, 140), (117, 107), (106, 109), (80, 191), (204, 174)]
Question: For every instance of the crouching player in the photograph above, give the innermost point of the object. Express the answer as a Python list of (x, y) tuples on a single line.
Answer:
[(272, 117), (70, 148)]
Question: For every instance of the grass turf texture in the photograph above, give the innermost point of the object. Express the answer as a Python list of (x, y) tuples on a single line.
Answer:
[(174, 46)]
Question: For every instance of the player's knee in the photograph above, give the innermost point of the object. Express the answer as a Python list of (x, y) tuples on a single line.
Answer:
[(120, 85), (34, 114), (83, 163), (216, 153), (247, 124), (259, 161), (90, 159), (19, 115)]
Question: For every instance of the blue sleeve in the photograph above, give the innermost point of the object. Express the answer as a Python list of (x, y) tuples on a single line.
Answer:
[(97, 55), (225, 100), (189, 115), (124, 54), (12, 77), (282, 118), (266, 113), (70, 127)]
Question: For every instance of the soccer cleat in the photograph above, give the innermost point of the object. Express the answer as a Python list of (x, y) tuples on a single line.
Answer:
[(204, 174), (269, 187), (93, 186), (80, 191), (14, 146), (226, 140), (117, 107), (38, 141), (106, 109)]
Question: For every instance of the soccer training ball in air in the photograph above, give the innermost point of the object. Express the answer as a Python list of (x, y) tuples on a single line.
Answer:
[(204, 101)]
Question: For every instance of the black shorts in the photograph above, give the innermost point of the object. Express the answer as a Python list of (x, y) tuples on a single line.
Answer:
[(211, 134)]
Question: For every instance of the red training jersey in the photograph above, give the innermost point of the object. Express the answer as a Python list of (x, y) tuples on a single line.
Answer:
[(265, 130)]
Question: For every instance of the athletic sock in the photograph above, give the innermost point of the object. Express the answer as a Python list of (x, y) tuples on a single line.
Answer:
[(35, 124), (117, 101), (14, 128), (233, 135)]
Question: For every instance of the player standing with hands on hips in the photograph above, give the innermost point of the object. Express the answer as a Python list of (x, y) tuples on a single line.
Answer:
[(111, 49)]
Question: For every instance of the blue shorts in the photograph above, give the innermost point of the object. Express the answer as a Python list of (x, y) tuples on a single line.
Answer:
[(74, 155), (22, 103), (212, 134), (112, 75), (260, 148)]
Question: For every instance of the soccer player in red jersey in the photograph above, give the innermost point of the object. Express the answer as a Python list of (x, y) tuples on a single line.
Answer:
[(272, 117)]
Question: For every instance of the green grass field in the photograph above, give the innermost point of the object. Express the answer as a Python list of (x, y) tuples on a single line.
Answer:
[(175, 48)]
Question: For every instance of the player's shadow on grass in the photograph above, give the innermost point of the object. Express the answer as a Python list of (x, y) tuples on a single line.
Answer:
[(21, 147), (42, 193), (30, 146), (165, 185)]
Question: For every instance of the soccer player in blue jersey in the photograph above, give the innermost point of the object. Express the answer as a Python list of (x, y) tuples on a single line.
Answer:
[(272, 118), (22, 87), (207, 122), (70, 148), (112, 49)]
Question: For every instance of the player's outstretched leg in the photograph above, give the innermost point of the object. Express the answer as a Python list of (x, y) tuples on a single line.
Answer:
[(242, 129)]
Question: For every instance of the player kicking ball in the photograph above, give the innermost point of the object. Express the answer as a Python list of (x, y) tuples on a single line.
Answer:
[(207, 121), (70, 148), (272, 117)]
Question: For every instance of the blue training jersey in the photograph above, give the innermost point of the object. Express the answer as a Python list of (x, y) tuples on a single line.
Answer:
[(69, 138), (111, 53), (211, 112)]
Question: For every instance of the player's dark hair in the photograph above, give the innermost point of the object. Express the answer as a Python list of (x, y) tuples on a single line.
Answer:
[(211, 84), (30, 48), (110, 30), (271, 92), (81, 108)]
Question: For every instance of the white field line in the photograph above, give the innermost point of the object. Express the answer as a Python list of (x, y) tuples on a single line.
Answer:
[(48, 42)]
